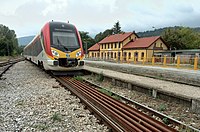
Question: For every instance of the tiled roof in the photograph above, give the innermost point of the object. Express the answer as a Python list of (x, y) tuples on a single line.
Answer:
[(116, 38), (141, 42), (95, 47)]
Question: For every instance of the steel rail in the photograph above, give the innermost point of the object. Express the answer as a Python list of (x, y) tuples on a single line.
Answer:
[(92, 107), (7, 64), (128, 108), (124, 116), (150, 111), (4, 63)]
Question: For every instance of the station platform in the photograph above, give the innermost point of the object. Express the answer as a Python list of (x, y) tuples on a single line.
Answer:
[(177, 90)]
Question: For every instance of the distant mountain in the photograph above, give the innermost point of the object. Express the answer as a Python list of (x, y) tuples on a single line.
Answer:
[(25, 40), (158, 32)]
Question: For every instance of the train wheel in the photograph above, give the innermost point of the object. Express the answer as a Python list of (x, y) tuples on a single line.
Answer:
[(40, 64)]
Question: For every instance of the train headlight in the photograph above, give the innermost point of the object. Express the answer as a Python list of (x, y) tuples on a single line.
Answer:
[(78, 54), (55, 53)]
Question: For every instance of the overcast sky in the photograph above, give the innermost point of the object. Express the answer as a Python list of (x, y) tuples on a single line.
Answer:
[(27, 17)]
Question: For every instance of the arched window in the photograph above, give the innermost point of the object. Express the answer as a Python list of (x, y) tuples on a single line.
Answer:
[(142, 55), (136, 56), (111, 54), (124, 55), (129, 55)]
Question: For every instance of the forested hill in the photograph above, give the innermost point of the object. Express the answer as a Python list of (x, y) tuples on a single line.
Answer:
[(25, 40), (158, 32)]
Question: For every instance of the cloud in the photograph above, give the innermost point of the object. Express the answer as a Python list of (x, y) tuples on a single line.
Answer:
[(27, 17), (54, 5)]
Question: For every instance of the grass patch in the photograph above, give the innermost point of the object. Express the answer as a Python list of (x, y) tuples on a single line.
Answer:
[(110, 94), (79, 78), (4, 58), (100, 77), (56, 117), (166, 121), (162, 107), (116, 97), (105, 92)]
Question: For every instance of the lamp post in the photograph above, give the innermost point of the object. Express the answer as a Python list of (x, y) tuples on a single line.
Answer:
[(175, 54), (154, 45), (86, 49), (118, 52)]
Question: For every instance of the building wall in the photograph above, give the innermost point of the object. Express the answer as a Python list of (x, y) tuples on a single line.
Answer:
[(134, 54), (113, 54), (157, 46), (158, 43), (113, 48), (127, 40), (93, 54)]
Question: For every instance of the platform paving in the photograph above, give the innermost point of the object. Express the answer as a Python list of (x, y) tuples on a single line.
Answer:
[(191, 77), (178, 90), (188, 91)]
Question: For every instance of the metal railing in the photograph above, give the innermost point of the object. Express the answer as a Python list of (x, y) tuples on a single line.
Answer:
[(186, 62)]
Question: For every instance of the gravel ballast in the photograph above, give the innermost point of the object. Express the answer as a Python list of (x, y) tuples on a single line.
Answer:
[(31, 100)]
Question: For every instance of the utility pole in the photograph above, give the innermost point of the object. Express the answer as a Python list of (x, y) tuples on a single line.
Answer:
[(118, 52), (86, 49), (8, 49)]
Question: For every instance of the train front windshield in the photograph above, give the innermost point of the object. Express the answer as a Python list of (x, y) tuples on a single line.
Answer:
[(65, 41)]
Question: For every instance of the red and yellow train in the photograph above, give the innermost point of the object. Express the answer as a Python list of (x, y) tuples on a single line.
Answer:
[(58, 47)]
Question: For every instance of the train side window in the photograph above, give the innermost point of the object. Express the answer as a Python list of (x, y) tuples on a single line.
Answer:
[(42, 37)]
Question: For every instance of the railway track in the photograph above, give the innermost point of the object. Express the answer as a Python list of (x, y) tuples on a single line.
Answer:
[(5, 65), (117, 115), (149, 111)]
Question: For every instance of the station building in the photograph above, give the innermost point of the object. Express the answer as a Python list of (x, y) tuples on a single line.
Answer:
[(127, 46)]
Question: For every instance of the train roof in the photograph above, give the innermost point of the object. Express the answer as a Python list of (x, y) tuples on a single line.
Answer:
[(54, 25), (61, 25)]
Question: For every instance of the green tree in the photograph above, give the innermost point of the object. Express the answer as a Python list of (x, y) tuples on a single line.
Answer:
[(8, 41), (117, 28), (114, 30), (181, 38), (86, 40), (101, 35)]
